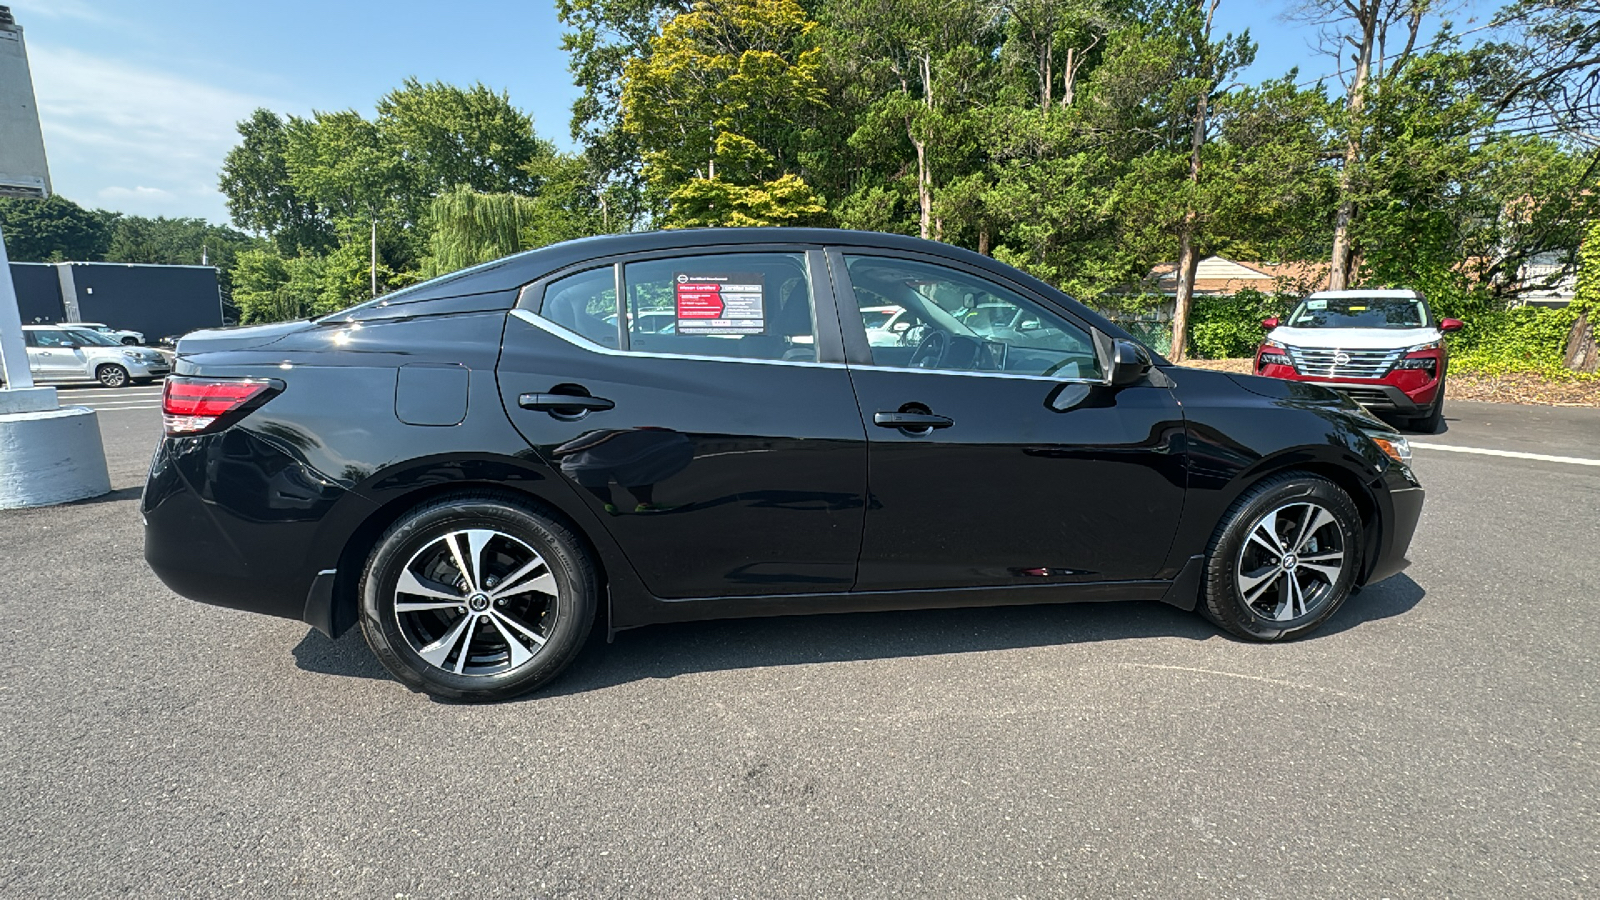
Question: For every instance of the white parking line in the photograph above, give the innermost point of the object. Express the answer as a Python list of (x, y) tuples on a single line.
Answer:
[(1511, 454)]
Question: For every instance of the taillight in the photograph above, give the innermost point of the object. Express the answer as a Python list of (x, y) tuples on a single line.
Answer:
[(196, 405)]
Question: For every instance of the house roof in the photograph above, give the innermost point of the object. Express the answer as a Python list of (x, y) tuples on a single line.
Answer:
[(1217, 275)]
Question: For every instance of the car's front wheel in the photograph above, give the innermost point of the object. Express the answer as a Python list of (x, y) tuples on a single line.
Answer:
[(112, 375), (475, 597), (1283, 559)]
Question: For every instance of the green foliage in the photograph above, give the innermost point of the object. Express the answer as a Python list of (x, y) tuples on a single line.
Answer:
[(1587, 295), (269, 288), (1526, 339), (713, 109), (1228, 327), (467, 228), (52, 230)]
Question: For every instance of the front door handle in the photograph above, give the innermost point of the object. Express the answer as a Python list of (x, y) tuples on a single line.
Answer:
[(564, 403), (911, 420)]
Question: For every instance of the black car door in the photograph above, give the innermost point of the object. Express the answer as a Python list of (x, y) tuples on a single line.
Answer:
[(717, 437), (996, 454)]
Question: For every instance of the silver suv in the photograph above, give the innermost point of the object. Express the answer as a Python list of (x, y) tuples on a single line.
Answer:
[(70, 353)]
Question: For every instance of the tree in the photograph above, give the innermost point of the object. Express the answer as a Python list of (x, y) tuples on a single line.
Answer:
[(261, 196), (604, 37), (462, 137), (918, 70), (713, 110), (1556, 57), (467, 228), (52, 230), (1362, 27)]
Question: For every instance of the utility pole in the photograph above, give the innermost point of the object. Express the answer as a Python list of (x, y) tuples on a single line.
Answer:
[(374, 258)]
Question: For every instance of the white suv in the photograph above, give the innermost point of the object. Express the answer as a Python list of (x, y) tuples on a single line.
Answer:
[(119, 335), (74, 353), (1381, 348)]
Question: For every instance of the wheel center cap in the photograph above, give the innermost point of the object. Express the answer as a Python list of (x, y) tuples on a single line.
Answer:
[(478, 602), (1290, 561)]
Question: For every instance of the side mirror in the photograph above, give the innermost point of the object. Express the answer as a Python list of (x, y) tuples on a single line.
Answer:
[(1270, 324), (900, 326), (1451, 325), (1129, 363)]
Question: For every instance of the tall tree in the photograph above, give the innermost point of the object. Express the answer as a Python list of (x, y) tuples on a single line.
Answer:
[(1555, 53), (261, 196), (1362, 28), (713, 109)]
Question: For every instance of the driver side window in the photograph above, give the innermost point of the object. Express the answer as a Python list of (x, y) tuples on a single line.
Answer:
[(925, 316)]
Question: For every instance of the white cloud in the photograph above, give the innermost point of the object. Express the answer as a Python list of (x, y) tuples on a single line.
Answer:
[(57, 9), (109, 123)]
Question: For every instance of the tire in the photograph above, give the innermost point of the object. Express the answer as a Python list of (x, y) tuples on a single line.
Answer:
[(112, 375), (1429, 424), (458, 638), (131, 341), (1247, 589)]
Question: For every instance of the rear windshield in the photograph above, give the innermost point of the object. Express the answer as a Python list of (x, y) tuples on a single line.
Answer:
[(1359, 312)]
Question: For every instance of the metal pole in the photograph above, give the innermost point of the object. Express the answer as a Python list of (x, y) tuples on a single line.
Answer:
[(13, 352), (374, 258)]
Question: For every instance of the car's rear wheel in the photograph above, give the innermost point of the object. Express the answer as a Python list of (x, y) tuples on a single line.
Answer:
[(131, 341), (477, 598), (112, 375), (1283, 559)]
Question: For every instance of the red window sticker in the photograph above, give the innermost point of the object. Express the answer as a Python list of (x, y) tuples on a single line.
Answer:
[(720, 304)]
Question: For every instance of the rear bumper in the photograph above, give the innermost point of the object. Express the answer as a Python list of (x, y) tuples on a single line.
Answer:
[(231, 520)]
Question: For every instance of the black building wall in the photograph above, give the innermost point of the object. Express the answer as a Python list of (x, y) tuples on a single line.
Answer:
[(155, 300), (38, 293)]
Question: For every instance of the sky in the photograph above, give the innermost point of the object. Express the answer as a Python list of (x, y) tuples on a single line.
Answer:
[(138, 98)]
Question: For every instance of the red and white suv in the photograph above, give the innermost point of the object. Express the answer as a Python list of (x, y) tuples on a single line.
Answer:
[(1381, 348)]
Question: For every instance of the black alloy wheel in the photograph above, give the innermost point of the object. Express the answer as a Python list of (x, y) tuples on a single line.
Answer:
[(1284, 558), (477, 598)]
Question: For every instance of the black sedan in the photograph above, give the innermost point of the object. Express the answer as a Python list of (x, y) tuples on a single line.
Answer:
[(476, 467)]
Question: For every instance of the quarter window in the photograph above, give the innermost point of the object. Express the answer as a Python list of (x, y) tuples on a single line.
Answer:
[(924, 316), (585, 304), (743, 305)]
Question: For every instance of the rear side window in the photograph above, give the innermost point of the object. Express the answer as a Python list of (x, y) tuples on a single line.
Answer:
[(742, 305), (584, 304)]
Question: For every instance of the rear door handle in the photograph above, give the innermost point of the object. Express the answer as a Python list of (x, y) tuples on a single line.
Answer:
[(911, 420), (564, 403)]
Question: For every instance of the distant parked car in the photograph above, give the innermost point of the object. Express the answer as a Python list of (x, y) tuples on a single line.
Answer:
[(74, 353), (121, 336), (1381, 348)]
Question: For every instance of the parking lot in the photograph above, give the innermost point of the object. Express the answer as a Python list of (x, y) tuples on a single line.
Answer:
[(1437, 738)]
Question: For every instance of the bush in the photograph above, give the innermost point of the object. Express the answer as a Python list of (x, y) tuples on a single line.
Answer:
[(1230, 327)]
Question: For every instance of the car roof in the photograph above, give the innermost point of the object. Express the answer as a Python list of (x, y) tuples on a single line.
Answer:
[(513, 272), (1373, 292)]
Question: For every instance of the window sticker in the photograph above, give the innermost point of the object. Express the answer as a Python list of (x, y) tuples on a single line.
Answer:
[(721, 304), (1316, 304)]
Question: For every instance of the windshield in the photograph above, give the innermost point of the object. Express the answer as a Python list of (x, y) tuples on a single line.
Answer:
[(1359, 312), (92, 338)]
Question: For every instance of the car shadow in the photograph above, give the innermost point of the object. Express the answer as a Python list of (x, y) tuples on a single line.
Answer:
[(128, 493), (666, 651)]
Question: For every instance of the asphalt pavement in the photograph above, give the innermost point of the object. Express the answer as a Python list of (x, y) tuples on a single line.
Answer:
[(1438, 738)]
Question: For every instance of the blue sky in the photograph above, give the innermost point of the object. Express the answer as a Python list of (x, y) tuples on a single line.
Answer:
[(138, 98)]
